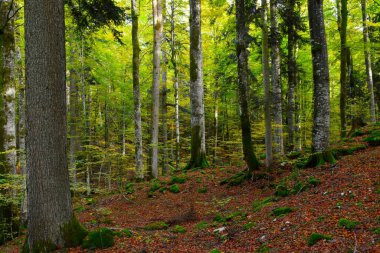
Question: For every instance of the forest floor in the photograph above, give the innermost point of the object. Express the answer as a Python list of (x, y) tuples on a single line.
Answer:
[(339, 200)]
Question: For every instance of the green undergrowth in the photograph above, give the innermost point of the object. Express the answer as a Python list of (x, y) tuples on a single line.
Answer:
[(159, 225), (179, 229), (99, 239), (281, 211), (314, 238), (373, 138), (257, 205), (347, 224), (220, 218), (73, 233)]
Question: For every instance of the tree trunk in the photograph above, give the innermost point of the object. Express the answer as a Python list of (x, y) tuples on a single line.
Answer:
[(157, 29), (216, 126), (321, 96), (368, 66), (292, 75), (243, 75), (136, 92), (276, 80), (198, 137), (49, 200), (266, 81), (342, 26)]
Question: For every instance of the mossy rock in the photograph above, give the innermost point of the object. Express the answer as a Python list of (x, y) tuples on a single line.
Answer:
[(314, 238), (179, 229), (281, 211), (174, 188), (159, 225), (319, 159), (347, 224), (99, 239), (73, 233)]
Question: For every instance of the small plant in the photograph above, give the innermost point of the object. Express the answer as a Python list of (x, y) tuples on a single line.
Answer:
[(215, 251), (281, 211), (126, 232), (174, 188), (376, 230), (129, 188), (99, 239), (357, 133), (179, 229), (347, 224), (219, 218), (314, 238), (321, 218), (159, 225), (249, 225), (313, 181), (155, 186), (298, 187), (177, 180), (201, 225), (202, 190), (282, 190), (263, 249), (260, 204)]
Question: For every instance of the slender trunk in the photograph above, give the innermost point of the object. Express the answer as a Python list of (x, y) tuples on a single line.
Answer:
[(292, 75), (266, 82), (198, 137), (276, 80), (216, 126), (136, 92), (49, 200), (157, 29), (321, 96), (243, 75), (342, 26), (368, 66)]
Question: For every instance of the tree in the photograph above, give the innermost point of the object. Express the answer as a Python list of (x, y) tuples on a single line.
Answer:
[(266, 81), (50, 217), (136, 91), (321, 95), (198, 136), (157, 29), (243, 75), (276, 80), (368, 66)]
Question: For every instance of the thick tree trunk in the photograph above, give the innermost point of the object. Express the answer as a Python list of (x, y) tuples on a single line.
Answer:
[(243, 77), (157, 29), (276, 80), (136, 92), (321, 96), (368, 66), (342, 26), (266, 81), (292, 76), (198, 137), (49, 201)]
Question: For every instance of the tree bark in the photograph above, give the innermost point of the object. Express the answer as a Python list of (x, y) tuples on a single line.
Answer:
[(136, 92), (266, 82), (276, 80), (368, 66), (157, 29), (198, 137), (243, 75), (49, 200), (321, 96)]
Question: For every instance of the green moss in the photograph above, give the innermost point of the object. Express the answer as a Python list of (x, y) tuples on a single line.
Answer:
[(174, 188), (294, 155), (39, 247), (298, 187), (202, 190), (219, 218), (215, 251), (126, 232), (314, 238), (319, 159), (177, 180), (347, 224), (313, 181), (236, 179), (282, 190), (73, 233), (159, 225), (129, 188), (201, 225), (99, 239), (249, 225), (376, 230), (280, 211), (373, 141), (179, 229)]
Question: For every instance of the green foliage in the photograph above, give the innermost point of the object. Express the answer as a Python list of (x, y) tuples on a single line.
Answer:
[(177, 180), (202, 190), (347, 224), (298, 187), (282, 190), (249, 225), (314, 238), (39, 247), (236, 179), (126, 232), (313, 181), (263, 249), (73, 233), (357, 133), (99, 239), (257, 205), (319, 159), (347, 150), (215, 251), (179, 229), (174, 188), (159, 225), (129, 188), (201, 225), (155, 186), (281, 211), (294, 155), (376, 230)]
